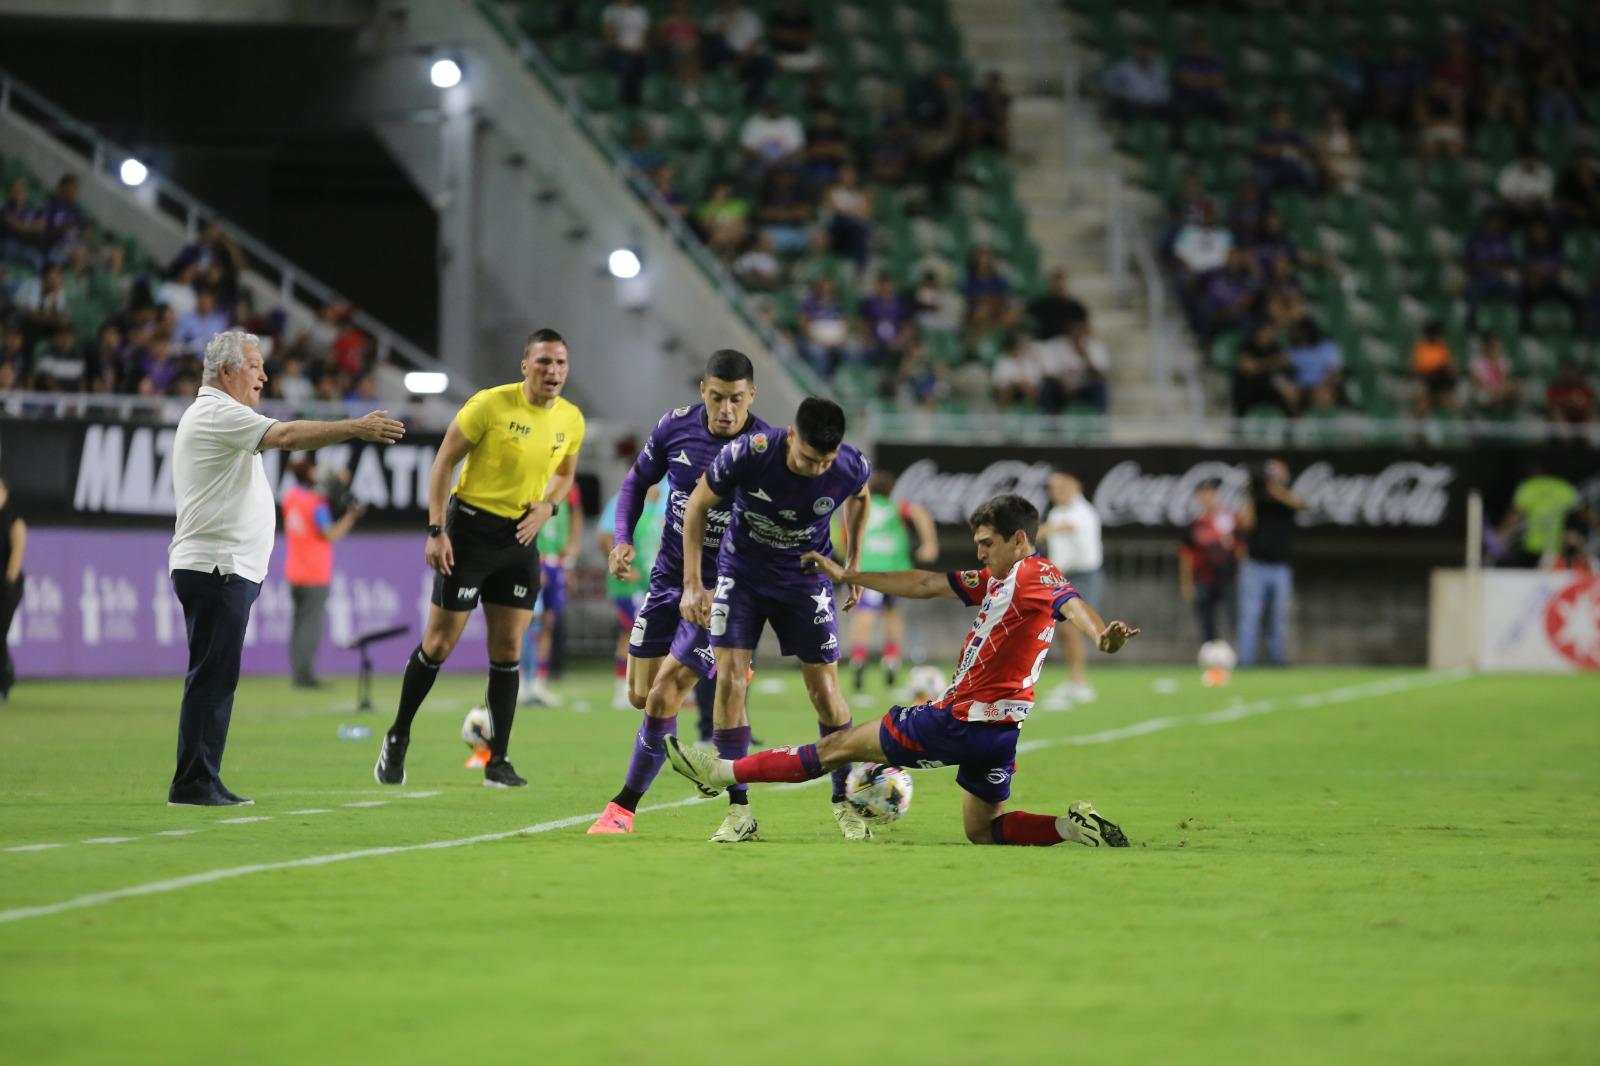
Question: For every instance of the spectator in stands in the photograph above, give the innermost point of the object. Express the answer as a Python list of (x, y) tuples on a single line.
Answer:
[(824, 327), (22, 227), (197, 327), (1017, 373), (758, 267), (671, 194), (1502, 96), (1283, 160), (352, 350), (1491, 262), (217, 261), (1352, 78), (679, 34), (157, 369), (1544, 267), (1263, 375), (64, 221), (14, 349), (1246, 210), (850, 209), (1570, 398), (625, 25), (1075, 369), (1495, 390), (724, 219), (937, 306), (827, 148), (1395, 85), (887, 317), (177, 292), (936, 132), (10, 376), (891, 150), (734, 34), (1526, 186), (1337, 156), (111, 356), (1200, 83), (785, 212), (1591, 309), (293, 385), (1318, 365), (1283, 301), (1229, 296), (1556, 94), (1456, 71), (364, 390), (1441, 116), (792, 34), (42, 300), (1208, 560), (1201, 246), (59, 364), (986, 290), (988, 119), (642, 152), (770, 139), (1578, 192), (919, 381), (1139, 86), (1434, 370), (1272, 246), (1056, 309)]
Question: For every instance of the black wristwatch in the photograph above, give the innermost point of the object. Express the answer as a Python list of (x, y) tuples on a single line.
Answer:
[(434, 531), (555, 508)]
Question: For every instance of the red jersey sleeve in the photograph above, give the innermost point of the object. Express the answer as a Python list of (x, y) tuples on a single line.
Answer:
[(969, 585)]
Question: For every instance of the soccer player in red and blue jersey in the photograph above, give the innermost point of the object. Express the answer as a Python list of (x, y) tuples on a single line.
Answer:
[(974, 726)]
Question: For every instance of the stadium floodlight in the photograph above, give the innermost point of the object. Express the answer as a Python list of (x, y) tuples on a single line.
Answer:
[(445, 73), (624, 264), (426, 382), (132, 172)]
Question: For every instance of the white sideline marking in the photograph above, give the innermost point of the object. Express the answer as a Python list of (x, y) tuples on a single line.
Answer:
[(177, 832), (107, 840), (96, 899), (243, 821), (312, 810), (416, 795), (367, 803), (35, 847)]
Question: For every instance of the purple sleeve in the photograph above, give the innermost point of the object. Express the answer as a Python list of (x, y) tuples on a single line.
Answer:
[(729, 467), (647, 469)]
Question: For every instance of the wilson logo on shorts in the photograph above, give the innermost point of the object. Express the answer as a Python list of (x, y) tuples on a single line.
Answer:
[(519, 591)]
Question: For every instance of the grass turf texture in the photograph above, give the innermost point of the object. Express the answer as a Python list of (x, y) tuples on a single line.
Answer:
[(1364, 865)]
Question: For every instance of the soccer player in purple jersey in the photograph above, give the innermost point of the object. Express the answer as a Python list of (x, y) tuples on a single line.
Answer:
[(667, 655), (785, 485)]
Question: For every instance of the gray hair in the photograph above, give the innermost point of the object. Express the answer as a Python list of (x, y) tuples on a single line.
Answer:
[(227, 350)]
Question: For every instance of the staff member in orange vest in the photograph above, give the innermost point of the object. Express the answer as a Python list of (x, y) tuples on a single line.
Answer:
[(311, 532)]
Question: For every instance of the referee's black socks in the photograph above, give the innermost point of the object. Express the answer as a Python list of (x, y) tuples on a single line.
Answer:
[(501, 696), (421, 672)]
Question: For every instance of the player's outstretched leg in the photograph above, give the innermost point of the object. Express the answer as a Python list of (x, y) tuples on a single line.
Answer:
[(1081, 825), (672, 681)]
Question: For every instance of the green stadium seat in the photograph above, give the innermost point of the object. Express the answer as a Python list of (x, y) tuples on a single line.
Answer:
[(600, 92), (1500, 317), (686, 130), (566, 54), (1225, 350), (1583, 251), (1495, 143), (722, 94), (1552, 318), (1204, 136), (943, 346), (1377, 140)]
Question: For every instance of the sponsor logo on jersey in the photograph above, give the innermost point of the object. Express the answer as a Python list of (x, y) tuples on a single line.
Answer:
[(823, 505), (758, 443), (788, 516), (969, 578), (682, 457), (757, 494), (679, 412), (824, 602)]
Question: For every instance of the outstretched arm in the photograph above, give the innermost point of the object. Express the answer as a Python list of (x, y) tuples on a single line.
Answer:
[(1086, 620), (909, 584), (305, 435)]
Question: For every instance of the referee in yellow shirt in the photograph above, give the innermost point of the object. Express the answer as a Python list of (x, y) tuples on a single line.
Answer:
[(520, 442)]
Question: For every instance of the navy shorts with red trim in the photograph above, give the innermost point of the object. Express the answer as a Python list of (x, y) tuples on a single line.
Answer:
[(928, 736)]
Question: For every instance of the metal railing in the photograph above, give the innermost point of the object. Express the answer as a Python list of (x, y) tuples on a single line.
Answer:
[(294, 286), (635, 182)]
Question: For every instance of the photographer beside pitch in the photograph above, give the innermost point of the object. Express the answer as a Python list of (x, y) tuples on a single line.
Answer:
[(226, 522), (975, 725)]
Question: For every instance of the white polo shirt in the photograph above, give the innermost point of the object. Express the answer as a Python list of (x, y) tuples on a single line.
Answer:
[(226, 514), (1080, 551)]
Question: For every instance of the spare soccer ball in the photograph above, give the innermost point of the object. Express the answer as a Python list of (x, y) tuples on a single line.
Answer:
[(1217, 655), (477, 728), (926, 684), (878, 793)]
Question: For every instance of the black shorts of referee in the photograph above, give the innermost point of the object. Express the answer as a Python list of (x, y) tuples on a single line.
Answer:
[(489, 563)]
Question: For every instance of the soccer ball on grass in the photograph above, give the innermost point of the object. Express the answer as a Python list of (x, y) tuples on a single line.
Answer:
[(878, 793), (477, 728)]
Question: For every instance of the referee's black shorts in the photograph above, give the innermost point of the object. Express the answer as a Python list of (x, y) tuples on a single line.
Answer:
[(489, 563)]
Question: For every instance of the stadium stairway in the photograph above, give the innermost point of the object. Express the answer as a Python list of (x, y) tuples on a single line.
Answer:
[(1030, 43)]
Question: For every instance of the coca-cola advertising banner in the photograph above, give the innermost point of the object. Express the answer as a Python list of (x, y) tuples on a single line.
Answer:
[(1348, 492), (100, 604)]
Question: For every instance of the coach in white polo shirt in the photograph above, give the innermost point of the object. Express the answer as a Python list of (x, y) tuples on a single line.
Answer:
[(226, 520)]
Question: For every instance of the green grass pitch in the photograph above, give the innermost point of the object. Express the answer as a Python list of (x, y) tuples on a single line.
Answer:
[(1327, 867)]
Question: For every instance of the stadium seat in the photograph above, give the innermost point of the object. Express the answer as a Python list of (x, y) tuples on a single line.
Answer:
[(1552, 318)]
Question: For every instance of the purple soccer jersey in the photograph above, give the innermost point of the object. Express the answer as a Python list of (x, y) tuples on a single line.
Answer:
[(680, 449), (778, 516)]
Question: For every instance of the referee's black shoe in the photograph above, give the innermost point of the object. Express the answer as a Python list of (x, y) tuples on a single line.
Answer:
[(500, 774), (391, 767)]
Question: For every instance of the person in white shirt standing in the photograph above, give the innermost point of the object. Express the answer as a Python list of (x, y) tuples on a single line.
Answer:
[(1071, 532), (223, 538)]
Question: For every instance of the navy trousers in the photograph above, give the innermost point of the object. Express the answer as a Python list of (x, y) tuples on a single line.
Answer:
[(216, 609)]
